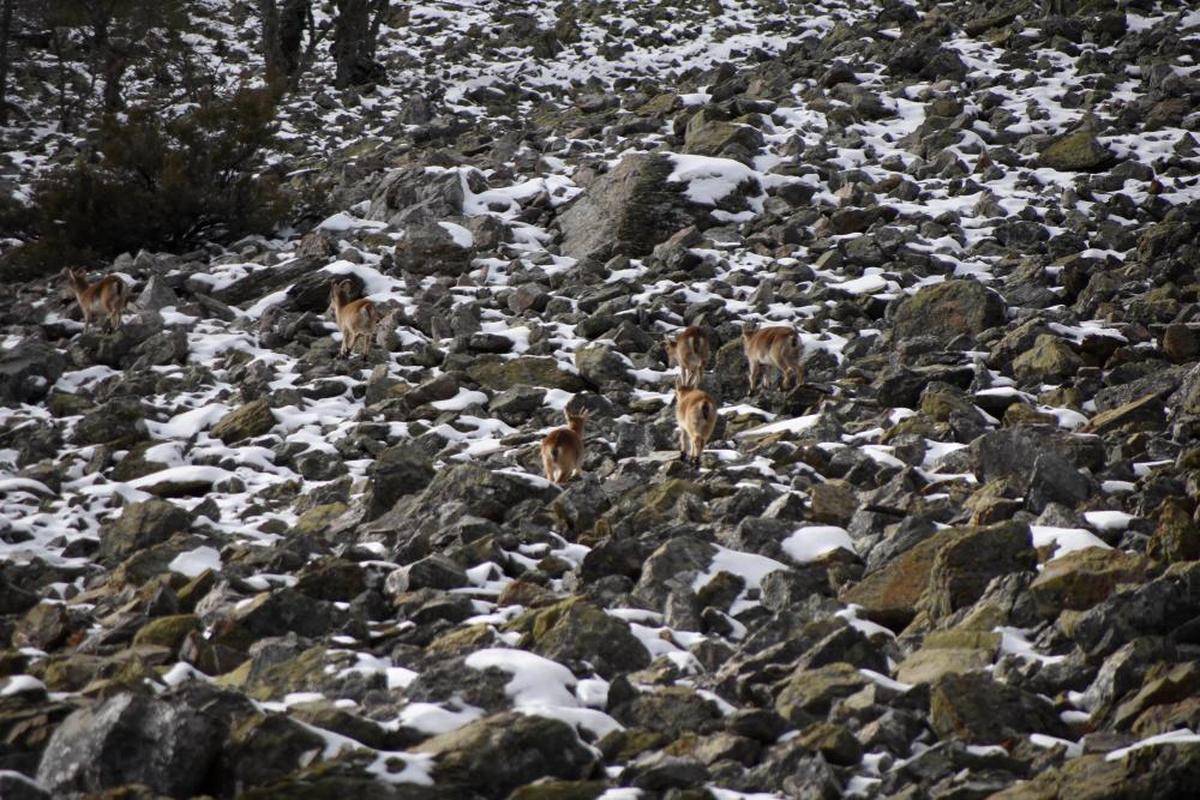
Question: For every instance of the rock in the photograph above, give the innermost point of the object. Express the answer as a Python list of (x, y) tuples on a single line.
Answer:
[(601, 366), (660, 772), (131, 738), (834, 742), (969, 558), (813, 691), (889, 595), (670, 710), (396, 472), (1055, 480), (120, 421), (627, 211), (498, 374), (948, 309), (1147, 413), (574, 630), (1180, 343), (1163, 684), (252, 419), (432, 572), (1049, 360), (168, 632), (141, 525), (275, 613), (45, 626), (432, 249), (1166, 770), (423, 194), (833, 502), (1082, 578), (15, 786), (28, 370), (713, 137), (1080, 151), (678, 559), (264, 749), (979, 710), (1151, 609), (1005, 453), (478, 757), (929, 663), (1176, 537), (156, 295)]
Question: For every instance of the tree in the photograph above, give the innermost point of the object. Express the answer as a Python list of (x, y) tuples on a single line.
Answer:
[(6, 15), (283, 34), (355, 36)]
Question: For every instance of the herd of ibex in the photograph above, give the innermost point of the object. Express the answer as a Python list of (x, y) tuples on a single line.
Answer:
[(562, 449)]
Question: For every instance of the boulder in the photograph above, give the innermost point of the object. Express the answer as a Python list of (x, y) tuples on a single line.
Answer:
[(947, 310), (166, 745), (498, 374), (141, 525), (396, 472), (120, 421), (1176, 537), (969, 558), (1049, 361), (1082, 578), (480, 757), (432, 249), (28, 370), (1080, 151), (627, 211), (574, 630), (252, 419), (977, 709)]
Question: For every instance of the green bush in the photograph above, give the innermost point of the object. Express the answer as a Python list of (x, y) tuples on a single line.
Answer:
[(162, 184)]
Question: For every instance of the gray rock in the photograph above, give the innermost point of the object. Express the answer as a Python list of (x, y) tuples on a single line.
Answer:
[(397, 472), (430, 249), (416, 195), (28, 370), (949, 309), (131, 738), (1055, 480), (141, 525), (156, 295)]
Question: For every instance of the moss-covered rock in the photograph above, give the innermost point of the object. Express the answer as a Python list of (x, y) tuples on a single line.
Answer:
[(1082, 578), (251, 419), (141, 525), (1080, 151), (813, 691), (577, 630), (949, 309), (168, 632), (1050, 359), (498, 374)]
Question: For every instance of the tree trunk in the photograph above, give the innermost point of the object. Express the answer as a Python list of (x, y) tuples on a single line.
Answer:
[(6, 12), (271, 50), (353, 44), (292, 22)]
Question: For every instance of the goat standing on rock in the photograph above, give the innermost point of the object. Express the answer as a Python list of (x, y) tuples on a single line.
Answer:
[(562, 449), (106, 297), (690, 351), (696, 415), (778, 347), (356, 319)]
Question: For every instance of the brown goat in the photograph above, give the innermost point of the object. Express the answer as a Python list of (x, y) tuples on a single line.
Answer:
[(106, 297), (696, 415), (778, 347), (689, 349), (562, 449), (356, 319)]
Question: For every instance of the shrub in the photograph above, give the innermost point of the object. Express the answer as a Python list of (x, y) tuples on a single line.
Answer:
[(165, 184)]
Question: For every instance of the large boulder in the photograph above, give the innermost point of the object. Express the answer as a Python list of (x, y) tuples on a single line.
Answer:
[(980, 710), (627, 211), (252, 419), (579, 631), (1076, 152), (434, 249), (141, 525), (494, 755), (969, 558), (417, 195), (397, 471), (169, 747), (28, 370), (499, 374), (947, 310)]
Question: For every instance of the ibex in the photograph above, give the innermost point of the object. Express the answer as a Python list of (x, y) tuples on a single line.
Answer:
[(696, 415), (106, 297), (689, 349), (356, 319), (562, 449), (777, 347)]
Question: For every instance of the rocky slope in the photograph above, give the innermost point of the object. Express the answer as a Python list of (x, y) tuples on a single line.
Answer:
[(961, 561)]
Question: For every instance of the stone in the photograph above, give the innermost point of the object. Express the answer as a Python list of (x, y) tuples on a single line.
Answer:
[(979, 710), (1055, 480), (141, 525), (478, 757), (1080, 151), (627, 211), (706, 136), (432, 249), (252, 419), (1080, 579), (1176, 536), (28, 370), (168, 632), (1147, 413), (423, 195), (947, 310), (499, 374), (969, 558), (398, 471), (574, 630), (889, 595), (264, 749), (1049, 360), (601, 366), (131, 738), (120, 421), (813, 691), (833, 502)]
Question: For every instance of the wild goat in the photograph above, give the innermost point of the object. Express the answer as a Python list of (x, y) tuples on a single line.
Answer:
[(778, 347), (696, 415), (356, 319), (562, 449), (106, 297), (689, 349)]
